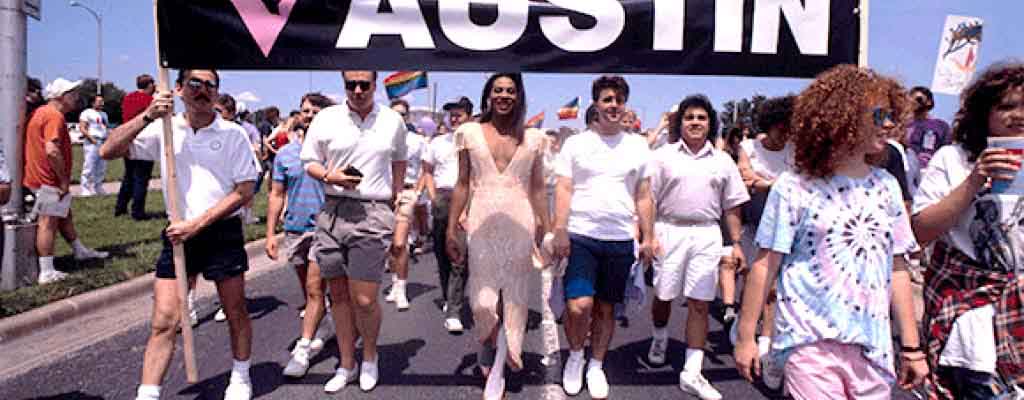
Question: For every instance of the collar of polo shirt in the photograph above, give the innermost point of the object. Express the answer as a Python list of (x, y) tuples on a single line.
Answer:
[(373, 111), (706, 150)]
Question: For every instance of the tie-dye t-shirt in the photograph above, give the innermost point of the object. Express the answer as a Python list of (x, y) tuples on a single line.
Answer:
[(838, 238)]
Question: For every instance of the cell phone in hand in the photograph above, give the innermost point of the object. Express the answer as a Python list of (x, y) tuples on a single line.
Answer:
[(353, 171)]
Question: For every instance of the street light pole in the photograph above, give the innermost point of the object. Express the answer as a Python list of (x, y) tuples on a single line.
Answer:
[(99, 44)]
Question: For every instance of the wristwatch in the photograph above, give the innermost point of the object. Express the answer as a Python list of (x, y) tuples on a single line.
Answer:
[(145, 117)]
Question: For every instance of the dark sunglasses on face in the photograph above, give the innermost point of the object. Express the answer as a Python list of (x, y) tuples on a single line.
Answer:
[(879, 115), (352, 85), (308, 111), (196, 84)]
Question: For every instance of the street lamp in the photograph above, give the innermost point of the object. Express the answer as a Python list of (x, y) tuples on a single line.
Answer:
[(99, 44)]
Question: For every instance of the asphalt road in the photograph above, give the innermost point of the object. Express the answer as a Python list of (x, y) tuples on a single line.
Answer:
[(418, 358)]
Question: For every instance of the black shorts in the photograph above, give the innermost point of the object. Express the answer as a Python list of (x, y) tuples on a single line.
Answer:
[(218, 252)]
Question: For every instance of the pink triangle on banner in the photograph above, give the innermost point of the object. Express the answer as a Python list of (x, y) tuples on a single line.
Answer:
[(263, 25)]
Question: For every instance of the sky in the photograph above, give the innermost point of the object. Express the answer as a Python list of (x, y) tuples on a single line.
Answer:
[(903, 43)]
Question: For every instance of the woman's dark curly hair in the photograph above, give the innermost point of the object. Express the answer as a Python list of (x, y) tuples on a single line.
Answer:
[(675, 123), (827, 117), (970, 127), (774, 111)]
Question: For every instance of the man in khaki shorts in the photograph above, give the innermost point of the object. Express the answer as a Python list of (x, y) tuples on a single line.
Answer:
[(358, 150)]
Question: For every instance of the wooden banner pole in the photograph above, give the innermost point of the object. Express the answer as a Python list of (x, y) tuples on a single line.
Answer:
[(171, 178)]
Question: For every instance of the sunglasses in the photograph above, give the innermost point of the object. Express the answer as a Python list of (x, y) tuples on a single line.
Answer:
[(196, 84), (879, 115), (363, 85)]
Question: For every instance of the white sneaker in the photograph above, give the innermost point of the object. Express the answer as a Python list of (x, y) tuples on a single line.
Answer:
[(453, 325), (444, 307), (86, 192), (368, 376), (771, 372), (299, 363), (597, 383), (220, 316), (572, 375), (87, 253), (51, 277), (316, 344), (696, 385), (238, 391), (302, 313), (656, 355), (342, 377), (390, 297), (401, 302)]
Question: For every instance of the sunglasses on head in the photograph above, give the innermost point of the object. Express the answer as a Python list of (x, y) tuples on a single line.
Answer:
[(352, 85), (879, 115), (196, 84)]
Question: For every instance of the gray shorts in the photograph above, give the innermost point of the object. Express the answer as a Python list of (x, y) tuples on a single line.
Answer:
[(352, 238), (298, 248)]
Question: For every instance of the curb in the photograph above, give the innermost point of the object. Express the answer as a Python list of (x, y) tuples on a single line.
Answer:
[(62, 310)]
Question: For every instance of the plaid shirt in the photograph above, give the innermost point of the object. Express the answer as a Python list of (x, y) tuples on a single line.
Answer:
[(958, 284)]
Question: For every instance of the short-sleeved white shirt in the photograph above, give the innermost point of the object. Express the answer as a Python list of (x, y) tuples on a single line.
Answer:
[(697, 187), (769, 164), (415, 144), (97, 121), (338, 137), (441, 154), (209, 161), (605, 173)]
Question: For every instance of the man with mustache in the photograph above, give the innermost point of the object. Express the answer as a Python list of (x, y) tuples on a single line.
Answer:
[(216, 172)]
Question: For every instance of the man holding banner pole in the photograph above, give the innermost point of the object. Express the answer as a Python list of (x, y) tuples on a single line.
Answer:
[(216, 172), (358, 150)]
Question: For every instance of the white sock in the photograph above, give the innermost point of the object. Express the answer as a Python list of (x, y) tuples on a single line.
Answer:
[(694, 360), (595, 364), (148, 392), (303, 342), (400, 283), (78, 246), (46, 265), (577, 354), (661, 333), (764, 345), (240, 371)]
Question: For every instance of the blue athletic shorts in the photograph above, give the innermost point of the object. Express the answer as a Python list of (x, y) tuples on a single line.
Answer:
[(598, 268)]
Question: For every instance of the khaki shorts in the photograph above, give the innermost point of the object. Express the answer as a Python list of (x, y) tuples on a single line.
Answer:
[(407, 201), (298, 248), (352, 238)]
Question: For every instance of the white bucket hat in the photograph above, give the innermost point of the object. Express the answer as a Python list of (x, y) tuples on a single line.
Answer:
[(59, 87)]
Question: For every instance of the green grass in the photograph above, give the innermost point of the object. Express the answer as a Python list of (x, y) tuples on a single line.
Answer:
[(133, 247), (115, 168)]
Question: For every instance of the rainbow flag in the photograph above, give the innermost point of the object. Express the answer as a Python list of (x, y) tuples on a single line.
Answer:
[(536, 121), (570, 110), (401, 83)]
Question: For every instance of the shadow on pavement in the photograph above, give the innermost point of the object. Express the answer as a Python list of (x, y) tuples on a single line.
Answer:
[(76, 395)]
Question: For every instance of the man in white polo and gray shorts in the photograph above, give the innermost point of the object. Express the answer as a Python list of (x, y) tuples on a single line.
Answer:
[(358, 150), (694, 186)]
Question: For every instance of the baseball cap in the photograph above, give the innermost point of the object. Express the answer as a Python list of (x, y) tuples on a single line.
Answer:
[(59, 87), (463, 103)]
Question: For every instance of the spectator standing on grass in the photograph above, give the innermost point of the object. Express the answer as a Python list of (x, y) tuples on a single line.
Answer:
[(216, 171), (48, 176), (135, 183), (93, 123)]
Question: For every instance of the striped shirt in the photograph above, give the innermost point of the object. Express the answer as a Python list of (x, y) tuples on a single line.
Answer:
[(305, 194)]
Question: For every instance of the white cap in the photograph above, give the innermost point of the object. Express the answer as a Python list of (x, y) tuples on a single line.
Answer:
[(59, 87), (674, 109)]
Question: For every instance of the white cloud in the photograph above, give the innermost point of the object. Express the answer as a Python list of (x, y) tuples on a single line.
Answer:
[(248, 97), (124, 58)]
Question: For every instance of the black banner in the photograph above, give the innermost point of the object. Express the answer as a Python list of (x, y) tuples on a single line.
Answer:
[(791, 38)]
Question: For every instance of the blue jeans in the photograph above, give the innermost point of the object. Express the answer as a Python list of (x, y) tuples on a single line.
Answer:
[(973, 385), (134, 187)]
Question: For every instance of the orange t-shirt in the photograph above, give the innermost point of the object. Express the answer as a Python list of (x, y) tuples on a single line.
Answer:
[(45, 125)]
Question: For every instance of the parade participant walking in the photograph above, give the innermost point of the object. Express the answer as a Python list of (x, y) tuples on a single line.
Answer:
[(602, 186), (357, 149), (405, 211), (440, 173), (226, 106), (926, 135), (694, 187), (135, 183), (304, 196), (973, 287), (93, 124), (216, 172), (48, 176), (501, 181), (835, 232)]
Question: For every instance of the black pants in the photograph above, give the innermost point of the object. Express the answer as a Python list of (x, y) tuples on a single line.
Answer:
[(134, 187), (453, 277)]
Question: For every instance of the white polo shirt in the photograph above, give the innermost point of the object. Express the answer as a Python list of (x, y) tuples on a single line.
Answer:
[(209, 162), (605, 172), (695, 187), (440, 153), (415, 145), (338, 137)]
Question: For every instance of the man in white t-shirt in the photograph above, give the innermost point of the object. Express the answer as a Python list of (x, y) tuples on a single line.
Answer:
[(602, 186), (440, 172), (216, 172), (408, 212), (93, 124), (358, 150)]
